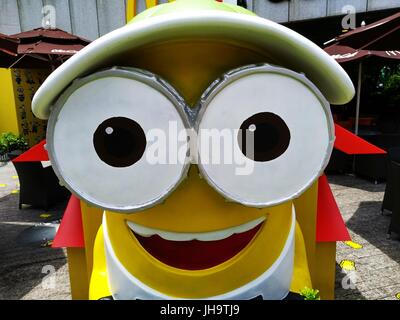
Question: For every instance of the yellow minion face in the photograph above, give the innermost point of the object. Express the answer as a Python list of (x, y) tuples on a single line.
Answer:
[(195, 147)]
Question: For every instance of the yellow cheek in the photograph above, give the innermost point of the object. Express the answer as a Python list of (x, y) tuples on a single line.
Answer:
[(196, 207)]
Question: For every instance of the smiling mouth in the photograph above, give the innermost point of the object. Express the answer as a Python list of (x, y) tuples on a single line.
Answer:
[(195, 251)]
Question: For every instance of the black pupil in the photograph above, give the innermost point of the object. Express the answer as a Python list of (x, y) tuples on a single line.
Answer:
[(119, 141), (269, 135)]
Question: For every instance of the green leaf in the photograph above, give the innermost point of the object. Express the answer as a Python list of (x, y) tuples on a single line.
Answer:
[(310, 294), (10, 142)]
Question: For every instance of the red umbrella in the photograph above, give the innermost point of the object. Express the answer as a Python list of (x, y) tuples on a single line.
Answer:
[(47, 47), (8, 49), (9, 55), (380, 39), (8, 45)]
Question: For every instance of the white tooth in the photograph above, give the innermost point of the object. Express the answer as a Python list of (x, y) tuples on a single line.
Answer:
[(201, 236)]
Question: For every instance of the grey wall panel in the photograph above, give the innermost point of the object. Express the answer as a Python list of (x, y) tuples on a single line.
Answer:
[(307, 9), (140, 6), (30, 14), (382, 4), (84, 18), (91, 18), (9, 17), (335, 6), (278, 12), (111, 15), (63, 16), (250, 5)]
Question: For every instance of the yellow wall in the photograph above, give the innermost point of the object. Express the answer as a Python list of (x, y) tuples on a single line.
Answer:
[(131, 7), (17, 87), (8, 112)]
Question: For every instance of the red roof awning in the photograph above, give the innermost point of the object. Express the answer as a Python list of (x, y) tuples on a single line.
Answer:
[(49, 48), (345, 54), (367, 33), (39, 48), (8, 45), (379, 39), (49, 34), (49, 41)]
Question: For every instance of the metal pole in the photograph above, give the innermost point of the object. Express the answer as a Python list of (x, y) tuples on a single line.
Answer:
[(357, 108), (358, 97)]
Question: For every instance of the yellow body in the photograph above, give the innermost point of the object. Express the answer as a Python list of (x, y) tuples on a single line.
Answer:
[(214, 214), (195, 207), (321, 255), (314, 269), (78, 275), (218, 215)]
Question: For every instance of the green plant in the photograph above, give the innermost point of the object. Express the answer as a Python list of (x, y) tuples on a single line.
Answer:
[(10, 142), (383, 84), (3, 149), (391, 88), (310, 294)]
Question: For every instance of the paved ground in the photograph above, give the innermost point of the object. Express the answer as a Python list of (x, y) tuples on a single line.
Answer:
[(30, 270), (377, 263)]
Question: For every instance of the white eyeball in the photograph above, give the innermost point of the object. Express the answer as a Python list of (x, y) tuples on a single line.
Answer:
[(102, 134), (281, 135)]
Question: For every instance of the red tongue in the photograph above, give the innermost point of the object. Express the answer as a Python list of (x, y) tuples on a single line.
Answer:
[(195, 254)]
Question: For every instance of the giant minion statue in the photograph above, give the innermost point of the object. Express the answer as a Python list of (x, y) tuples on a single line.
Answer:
[(195, 228)]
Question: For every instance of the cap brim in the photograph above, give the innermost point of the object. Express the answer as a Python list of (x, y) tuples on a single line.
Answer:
[(284, 47)]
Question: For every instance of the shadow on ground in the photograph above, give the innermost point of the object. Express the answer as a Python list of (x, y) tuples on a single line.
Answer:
[(377, 261), (377, 274), (368, 223), (25, 258), (352, 181)]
